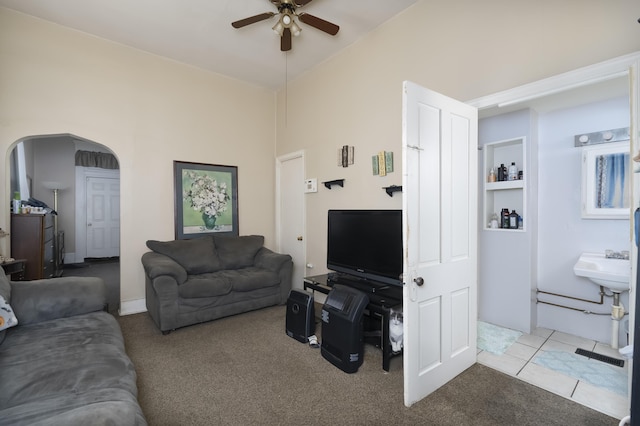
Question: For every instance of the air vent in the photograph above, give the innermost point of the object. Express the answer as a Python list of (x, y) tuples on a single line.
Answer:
[(600, 357)]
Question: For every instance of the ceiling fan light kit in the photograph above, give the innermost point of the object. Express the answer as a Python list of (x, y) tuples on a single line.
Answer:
[(287, 25)]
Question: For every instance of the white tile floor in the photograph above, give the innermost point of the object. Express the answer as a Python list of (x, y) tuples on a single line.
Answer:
[(516, 361)]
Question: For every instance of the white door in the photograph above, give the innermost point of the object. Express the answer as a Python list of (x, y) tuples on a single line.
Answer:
[(291, 213), (440, 239), (103, 217)]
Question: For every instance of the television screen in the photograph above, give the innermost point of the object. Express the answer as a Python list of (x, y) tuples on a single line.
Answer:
[(366, 244)]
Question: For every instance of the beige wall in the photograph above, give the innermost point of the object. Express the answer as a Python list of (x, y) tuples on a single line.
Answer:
[(464, 49), (149, 111)]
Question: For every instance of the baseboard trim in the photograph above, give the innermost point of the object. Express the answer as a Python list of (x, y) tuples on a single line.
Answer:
[(70, 258), (130, 307)]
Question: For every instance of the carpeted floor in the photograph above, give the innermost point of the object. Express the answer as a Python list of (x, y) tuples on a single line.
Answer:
[(244, 370)]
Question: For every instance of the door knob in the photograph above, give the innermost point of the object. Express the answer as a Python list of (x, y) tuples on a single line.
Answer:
[(88, 224), (419, 281), (300, 238)]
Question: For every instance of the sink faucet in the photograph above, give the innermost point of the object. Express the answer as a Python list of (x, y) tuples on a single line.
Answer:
[(610, 254)]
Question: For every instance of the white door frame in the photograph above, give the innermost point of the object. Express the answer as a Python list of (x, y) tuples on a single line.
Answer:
[(82, 173), (582, 77), (628, 65), (279, 160)]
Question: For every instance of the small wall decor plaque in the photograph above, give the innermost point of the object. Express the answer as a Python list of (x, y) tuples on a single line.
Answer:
[(382, 163), (345, 156)]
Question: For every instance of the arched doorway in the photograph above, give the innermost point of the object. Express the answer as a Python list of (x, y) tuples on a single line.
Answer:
[(52, 160)]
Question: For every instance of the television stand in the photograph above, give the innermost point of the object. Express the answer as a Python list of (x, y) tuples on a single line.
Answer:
[(364, 285), (377, 313)]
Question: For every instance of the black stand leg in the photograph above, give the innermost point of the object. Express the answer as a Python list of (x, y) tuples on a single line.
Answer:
[(386, 343)]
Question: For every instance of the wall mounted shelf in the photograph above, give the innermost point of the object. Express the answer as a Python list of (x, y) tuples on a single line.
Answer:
[(328, 184), (391, 189)]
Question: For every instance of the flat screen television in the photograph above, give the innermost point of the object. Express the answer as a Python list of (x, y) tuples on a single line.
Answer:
[(366, 244)]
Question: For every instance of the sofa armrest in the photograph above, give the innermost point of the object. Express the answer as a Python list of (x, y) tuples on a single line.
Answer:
[(268, 259), (282, 264), (156, 264), (43, 300)]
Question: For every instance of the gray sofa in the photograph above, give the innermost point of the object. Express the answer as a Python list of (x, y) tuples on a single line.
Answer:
[(202, 279), (65, 362)]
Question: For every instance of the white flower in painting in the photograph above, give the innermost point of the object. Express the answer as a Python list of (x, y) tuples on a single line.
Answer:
[(206, 195)]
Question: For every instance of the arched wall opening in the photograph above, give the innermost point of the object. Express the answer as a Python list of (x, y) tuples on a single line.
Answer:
[(52, 158)]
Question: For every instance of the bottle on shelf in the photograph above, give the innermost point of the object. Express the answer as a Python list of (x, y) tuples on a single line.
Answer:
[(504, 219), (492, 175), (501, 175), (513, 172), (494, 221), (513, 220)]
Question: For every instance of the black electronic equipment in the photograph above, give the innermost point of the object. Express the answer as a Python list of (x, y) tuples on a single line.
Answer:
[(366, 244), (342, 328), (301, 319)]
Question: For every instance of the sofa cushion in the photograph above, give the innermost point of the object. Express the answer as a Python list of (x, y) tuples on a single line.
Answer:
[(238, 252), (5, 292), (205, 285), (196, 256), (251, 278), (60, 371)]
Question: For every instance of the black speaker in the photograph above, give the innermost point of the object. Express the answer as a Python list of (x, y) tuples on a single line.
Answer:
[(342, 328), (301, 318)]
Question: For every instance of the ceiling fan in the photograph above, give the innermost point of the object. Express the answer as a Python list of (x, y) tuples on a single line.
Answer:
[(286, 25)]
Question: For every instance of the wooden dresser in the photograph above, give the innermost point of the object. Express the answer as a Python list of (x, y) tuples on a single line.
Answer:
[(32, 239)]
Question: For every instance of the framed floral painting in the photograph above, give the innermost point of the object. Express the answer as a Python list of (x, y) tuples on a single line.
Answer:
[(206, 199)]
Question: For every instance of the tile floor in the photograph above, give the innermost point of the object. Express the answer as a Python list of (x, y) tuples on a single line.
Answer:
[(516, 361)]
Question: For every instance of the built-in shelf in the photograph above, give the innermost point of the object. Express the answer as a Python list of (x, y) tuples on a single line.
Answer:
[(509, 194), (509, 184), (328, 184)]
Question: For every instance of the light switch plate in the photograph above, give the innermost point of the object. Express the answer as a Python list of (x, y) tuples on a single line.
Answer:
[(311, 185)]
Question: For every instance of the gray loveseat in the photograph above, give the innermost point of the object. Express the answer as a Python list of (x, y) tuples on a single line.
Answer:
[(202, 279), (65, 362)]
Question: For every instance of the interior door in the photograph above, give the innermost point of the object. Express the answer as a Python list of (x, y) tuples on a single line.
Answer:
[(291, 213), (103, 217), (440, 239)]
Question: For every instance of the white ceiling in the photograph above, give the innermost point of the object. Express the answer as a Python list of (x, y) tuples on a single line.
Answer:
[(199, 32)]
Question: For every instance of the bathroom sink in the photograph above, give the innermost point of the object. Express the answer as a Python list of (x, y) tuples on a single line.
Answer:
[(611, 273)]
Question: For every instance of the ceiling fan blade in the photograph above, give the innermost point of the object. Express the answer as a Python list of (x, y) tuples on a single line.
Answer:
[(285, 41), (252, 20), (301, 3), (318, 23)]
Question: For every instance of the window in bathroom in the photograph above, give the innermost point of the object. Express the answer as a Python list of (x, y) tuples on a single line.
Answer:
[(605, 181)]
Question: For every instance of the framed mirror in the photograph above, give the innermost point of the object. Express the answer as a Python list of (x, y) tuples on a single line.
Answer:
[(606, 174)]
